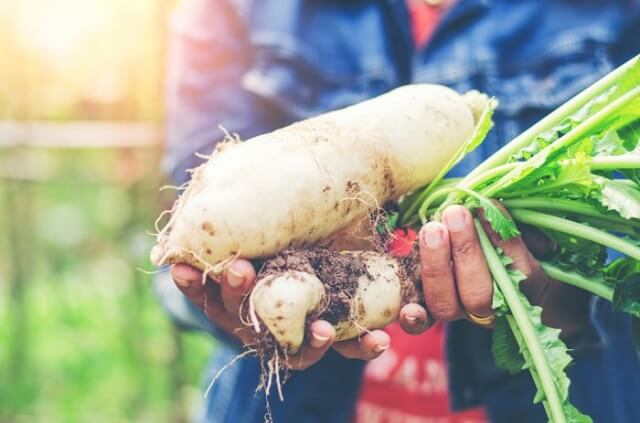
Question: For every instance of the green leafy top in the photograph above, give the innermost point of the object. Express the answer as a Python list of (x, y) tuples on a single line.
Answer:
[(565, 169), (521, 341), (567, 160)]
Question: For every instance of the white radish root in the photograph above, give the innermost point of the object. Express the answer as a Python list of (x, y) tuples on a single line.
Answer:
[(299, 185)]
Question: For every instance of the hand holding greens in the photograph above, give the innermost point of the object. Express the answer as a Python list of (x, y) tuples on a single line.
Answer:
[(575, 175)]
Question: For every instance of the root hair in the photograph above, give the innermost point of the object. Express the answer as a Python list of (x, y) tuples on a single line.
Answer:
[(226, 366)]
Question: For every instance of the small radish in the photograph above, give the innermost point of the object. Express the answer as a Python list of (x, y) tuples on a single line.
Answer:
[(354, 291)]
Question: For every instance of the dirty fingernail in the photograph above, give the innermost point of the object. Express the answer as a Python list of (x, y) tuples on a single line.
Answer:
[(411, 319), (432, 235), (182, 282), (379, 348), (318, 341), (456, 218), (234, 279)]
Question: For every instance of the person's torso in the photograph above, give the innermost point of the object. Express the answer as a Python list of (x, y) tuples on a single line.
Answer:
[(308, 57)]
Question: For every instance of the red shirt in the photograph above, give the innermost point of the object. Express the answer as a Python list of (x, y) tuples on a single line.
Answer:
[(424, 19), (408, 383)]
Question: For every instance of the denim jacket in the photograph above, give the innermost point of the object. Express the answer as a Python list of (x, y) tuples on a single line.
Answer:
[(253, 66)]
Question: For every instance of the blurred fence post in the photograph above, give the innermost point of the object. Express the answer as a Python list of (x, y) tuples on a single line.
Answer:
[(19, 230)]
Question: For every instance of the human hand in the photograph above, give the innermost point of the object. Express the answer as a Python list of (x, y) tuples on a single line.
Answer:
[(220, 300), (458, 284)]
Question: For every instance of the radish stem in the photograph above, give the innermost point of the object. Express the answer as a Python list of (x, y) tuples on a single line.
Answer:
[(568, 206), (623, 161), (592, 285), (524, 325), (566, 226)]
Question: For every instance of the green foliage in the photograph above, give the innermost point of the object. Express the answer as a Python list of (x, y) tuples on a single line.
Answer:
[(608, 143), (500, 222), (540, 349), (83, 335), (620, 197), (566, 169), (505, 348), (624, 275), (626, 296), (555, 351), (578, 254)]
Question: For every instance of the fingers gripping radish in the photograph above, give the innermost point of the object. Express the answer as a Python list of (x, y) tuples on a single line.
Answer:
[(354, 291), (298, 185)]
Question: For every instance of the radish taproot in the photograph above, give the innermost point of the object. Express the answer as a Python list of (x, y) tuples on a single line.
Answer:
[(355, 291), (298, 185)]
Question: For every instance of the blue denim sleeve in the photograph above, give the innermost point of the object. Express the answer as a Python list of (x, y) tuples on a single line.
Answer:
[(209, 54)]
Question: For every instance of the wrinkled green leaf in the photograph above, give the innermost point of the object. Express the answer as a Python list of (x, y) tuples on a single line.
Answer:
[(567, 175), (505, 349), (555, 351), (620, 197), (541, 141), (629, 81), (497, 303), (630, 135), (483, 126), (608, 143), (502, 224)]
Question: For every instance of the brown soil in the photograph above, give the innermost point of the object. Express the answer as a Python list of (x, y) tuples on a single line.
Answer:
[(340, 273)]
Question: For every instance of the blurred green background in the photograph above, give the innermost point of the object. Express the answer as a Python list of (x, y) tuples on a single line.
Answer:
[(82, 336)]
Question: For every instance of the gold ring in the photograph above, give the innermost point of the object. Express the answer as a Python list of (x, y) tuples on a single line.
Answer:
[(485, 321)]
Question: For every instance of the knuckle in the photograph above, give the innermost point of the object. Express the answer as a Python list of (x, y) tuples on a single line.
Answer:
[(529, 270), (463, 249), (434, 271), (213, 311), (477, 301), (444, 311)]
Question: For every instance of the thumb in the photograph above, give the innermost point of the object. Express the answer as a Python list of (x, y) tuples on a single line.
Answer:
[(190, 282)]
